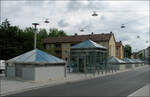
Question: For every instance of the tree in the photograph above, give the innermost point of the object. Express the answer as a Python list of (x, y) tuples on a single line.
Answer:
[(9, 40), (43, 33), (56, 33), (141, 56), (53, 32), (62, 33), (15, 41), (51, 50), (28, 39), (127, 51)]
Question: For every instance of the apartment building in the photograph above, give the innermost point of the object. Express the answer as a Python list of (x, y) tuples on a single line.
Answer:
[(144, 54), (61, 45)]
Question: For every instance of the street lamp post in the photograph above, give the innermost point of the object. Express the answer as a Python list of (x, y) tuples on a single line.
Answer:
[(35, 25)]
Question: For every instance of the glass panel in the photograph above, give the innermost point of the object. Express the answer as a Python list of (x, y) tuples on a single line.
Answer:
[(74, 61)]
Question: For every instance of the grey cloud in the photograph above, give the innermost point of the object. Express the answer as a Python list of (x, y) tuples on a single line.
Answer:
[(63, 23), (90, 6), (34, 3), (75, 6), (24, 12), (100, 6)]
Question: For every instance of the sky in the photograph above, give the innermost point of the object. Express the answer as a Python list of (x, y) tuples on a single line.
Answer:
[(73, 15)]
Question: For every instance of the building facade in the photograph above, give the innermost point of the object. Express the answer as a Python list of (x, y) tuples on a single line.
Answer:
[(144, 54), (119, 50), (62, 45)]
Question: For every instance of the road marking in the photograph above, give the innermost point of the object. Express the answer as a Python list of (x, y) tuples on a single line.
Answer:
[(142, 92)]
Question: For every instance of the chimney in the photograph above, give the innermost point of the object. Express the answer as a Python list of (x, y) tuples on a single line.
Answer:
[(92, 33), (90, 37), (75, 34)]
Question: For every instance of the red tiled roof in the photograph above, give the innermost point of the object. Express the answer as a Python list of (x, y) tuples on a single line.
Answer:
[(118, 43), (78, 38)]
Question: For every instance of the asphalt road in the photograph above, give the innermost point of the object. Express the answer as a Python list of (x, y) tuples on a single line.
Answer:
[(121, 84)]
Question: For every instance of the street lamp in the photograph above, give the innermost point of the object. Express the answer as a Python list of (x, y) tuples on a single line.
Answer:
[(138, 36), (122, 26), (94, 13), (46, 20), (35, 25)]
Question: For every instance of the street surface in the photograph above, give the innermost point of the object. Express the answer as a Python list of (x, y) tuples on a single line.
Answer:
[(121, 84)]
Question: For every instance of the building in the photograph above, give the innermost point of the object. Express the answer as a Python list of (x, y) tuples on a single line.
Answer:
[(87, 56), (134, 55), (62, 45), (35, 65), (146, 53), (119, 50), (143, 54)]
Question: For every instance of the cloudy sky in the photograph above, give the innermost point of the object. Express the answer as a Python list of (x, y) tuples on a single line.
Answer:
[(71, 16)]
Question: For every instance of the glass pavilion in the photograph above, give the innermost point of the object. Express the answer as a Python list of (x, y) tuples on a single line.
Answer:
[(87, 56)]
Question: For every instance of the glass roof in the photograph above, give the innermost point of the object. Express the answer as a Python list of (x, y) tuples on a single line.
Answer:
[(88, 44), (35, 56), (136, 60), (128, 60), (113, 59)]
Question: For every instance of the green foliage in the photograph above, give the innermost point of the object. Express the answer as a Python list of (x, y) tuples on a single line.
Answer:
[(141, 56), (43, 33), (15, 41), (51, 51), (56, 33), (127, 51)]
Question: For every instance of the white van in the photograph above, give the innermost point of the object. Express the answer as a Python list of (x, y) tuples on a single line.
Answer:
[(2, 66)]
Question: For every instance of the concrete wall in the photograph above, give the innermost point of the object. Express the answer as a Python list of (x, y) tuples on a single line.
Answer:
[(10, 72), (122, 67), (28, 73), (133, 66), (128, 66), (18, 69), (49, 72)]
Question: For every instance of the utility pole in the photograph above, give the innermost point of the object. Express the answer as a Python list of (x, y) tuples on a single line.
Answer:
[(35, 25)]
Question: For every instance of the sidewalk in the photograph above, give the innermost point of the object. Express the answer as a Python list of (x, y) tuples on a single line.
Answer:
[(143, 92), (15, 86)]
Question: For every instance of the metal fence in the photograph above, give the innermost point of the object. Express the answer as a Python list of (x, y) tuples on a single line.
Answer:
[(111, 67)]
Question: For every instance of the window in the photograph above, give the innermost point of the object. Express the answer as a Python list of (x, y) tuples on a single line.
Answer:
[(58, 45), (97, 59), (48, 46), (65, 51), (66, 59), (58, 52), (117, 51), (110, 50), (65, 45), (73, 44)]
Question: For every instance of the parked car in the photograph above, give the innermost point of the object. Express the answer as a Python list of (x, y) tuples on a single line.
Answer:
[(2, 66)]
